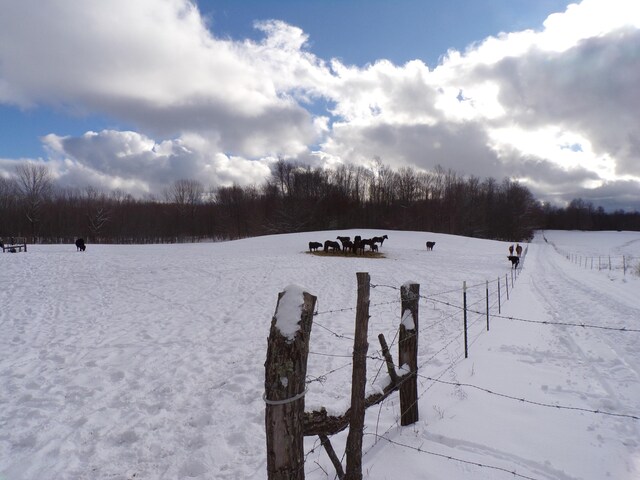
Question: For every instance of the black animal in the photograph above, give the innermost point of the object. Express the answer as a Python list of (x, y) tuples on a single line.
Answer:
[(430, 245), (369, 242), (374, 248), (330, 244), (379, 240), (357, 245), (343, 241), (314, 246), (80, 246), (514, 260)]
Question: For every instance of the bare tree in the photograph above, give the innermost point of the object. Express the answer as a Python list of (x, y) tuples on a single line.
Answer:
[(185, 194), (35, 185), (98, 211)]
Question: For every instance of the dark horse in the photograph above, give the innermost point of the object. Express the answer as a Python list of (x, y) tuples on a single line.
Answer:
[(314, 246), (514, 260), (430, 245), (330, 244), (379, 240), (80, 246)]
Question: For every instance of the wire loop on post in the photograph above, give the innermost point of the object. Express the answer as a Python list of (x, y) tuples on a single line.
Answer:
[(285, 401)]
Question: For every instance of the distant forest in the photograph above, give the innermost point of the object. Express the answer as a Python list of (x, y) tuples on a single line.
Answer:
[(294, 199)]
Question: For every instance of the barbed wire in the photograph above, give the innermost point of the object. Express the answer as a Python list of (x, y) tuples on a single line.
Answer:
[(543, 322), (532, 402), (350, 309), (567, 324), (323, 378), (451, 457), (335, 334)]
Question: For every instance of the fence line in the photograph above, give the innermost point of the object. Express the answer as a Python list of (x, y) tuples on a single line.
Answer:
[(451, 457), (445, 317), (408, 403), (455, 358), (532, 402)]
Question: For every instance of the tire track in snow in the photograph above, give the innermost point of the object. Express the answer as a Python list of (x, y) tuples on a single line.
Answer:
[(606, 357)]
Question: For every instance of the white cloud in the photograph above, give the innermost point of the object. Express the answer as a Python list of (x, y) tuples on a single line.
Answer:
[(154, 64), (136, 163), (556, 107)]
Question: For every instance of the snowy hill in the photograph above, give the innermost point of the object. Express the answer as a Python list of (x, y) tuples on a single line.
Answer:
[(147, 362)]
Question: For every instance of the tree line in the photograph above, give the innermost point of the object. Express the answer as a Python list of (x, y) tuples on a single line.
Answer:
[(295, 198)]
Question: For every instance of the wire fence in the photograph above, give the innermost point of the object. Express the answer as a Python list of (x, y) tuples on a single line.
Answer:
[(447, 348), (628, 264)]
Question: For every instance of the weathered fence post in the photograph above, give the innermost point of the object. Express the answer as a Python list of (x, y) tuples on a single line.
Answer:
[(358, 381), (464, 302), (284, 383), (408, 353), (499, 306), (487, 295), (506, 282)]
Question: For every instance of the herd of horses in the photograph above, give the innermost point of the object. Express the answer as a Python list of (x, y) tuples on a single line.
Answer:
[(355, 246), (359, 244)]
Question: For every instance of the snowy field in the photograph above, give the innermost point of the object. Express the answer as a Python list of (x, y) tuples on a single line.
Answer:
[(147, 362)]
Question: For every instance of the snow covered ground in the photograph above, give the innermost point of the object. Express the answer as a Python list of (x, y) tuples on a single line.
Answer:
[(147, 362)]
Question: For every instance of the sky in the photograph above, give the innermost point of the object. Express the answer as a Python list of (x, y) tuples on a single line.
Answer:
[(134, 96)]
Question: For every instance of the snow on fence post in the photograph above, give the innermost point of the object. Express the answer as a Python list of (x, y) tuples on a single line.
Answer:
[(284, 383), (408, 353), (358, 381)]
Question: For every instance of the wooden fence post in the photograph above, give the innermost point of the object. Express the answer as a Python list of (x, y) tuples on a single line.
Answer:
[(506, 282), (487, 296), (358, 381), (408, 353), (499, 303), (284, 383), (464, 302)]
